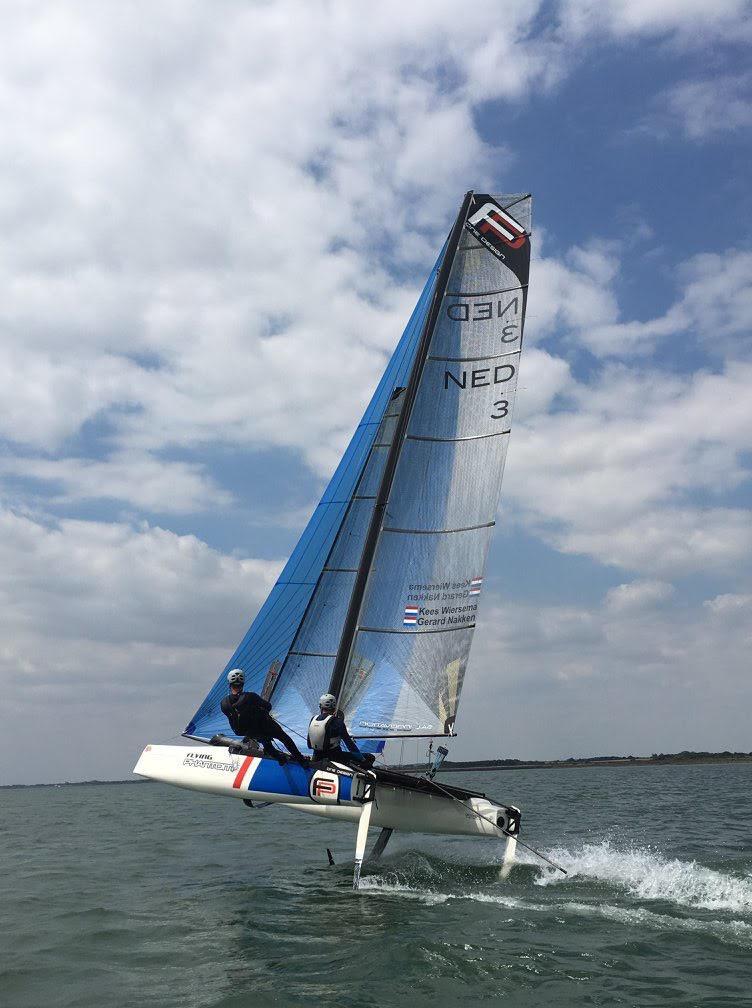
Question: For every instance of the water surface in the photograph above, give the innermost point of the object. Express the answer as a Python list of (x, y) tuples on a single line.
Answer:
[(141, 894)]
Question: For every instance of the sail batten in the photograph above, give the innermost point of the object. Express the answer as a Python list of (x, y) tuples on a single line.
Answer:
[(454, 440), (414, 633), (492, 293), (446, 531)]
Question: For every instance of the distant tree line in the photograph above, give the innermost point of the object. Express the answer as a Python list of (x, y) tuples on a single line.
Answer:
[(685, 755), (691, 754)]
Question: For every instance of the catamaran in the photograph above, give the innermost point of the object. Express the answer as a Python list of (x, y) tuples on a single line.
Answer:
[(378, 601)]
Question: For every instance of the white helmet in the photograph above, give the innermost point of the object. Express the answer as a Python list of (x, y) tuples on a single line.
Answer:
[(328, 701), (236, 677)]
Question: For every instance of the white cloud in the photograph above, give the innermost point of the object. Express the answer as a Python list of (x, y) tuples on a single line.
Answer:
[(714, 310), (137, 479), (718, 299), (687, 22), (198, 209), (637, 595), (705, 108), (669, 541), (574, 296), (543, 377), (109, 637), (733, 607), (607, 679), (613, 476), (48, 396), (111, 583), (572, 293)]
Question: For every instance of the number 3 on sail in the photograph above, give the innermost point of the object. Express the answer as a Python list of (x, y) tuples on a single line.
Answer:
[(378, 601)]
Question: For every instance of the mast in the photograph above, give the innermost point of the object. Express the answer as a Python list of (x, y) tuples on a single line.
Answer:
[(382, 499)]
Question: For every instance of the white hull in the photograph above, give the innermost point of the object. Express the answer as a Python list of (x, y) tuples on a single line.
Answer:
[(215, 770)]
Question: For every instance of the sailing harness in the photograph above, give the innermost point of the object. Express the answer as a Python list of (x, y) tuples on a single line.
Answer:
[(321, 741)]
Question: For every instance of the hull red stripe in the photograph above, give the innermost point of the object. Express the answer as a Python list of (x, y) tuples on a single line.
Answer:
[(241, 772)]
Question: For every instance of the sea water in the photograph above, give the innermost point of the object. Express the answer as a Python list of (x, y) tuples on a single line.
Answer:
[(141, 894)]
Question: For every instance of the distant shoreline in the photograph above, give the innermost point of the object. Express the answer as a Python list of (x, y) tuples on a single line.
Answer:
[(77, 783), (604, 761), (658, 759)]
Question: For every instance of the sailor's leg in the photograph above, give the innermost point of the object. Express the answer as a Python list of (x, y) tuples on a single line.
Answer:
[(381, 841), (271, 750), (281, 735), (361, 840)]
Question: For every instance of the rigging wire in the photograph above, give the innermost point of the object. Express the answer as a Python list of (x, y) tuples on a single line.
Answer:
[(501, 830)]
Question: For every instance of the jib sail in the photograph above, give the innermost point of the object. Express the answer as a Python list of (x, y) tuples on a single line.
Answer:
[(288, 652)]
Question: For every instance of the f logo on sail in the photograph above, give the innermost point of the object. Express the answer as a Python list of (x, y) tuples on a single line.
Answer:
[(493, 222)]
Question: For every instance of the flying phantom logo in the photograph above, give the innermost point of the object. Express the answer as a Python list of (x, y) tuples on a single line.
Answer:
[(501, 234), (493, 222), (324, 787)]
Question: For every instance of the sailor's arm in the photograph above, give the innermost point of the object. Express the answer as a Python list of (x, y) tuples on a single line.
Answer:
[(347, 738)]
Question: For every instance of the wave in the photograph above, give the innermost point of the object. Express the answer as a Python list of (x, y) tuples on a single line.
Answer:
[(736, 931), (733, 932), (647, 875)]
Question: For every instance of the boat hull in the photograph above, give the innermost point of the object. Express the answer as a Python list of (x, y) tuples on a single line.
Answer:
[(335, 793)]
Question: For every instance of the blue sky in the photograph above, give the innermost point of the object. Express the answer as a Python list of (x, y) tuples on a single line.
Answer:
[(215, 225)]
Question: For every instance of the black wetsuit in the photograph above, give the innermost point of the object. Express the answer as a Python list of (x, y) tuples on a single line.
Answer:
[(249, 716)]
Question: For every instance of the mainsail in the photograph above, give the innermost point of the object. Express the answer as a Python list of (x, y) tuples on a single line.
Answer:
[(423, 567), (378, 601)]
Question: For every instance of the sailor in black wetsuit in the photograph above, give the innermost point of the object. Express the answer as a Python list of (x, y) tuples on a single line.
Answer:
[(327, 731), (248, 714)]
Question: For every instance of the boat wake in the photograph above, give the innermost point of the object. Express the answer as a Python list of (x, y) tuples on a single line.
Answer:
[(632, 875), (647, 875)]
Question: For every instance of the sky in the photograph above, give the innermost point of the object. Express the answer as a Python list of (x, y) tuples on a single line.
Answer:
[(216, 219)]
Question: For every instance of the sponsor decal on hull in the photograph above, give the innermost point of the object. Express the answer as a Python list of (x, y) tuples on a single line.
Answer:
[(207, 762), (324, 788)]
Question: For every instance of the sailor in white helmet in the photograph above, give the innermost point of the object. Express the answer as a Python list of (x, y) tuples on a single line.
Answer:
[(327, 731), (249, 716)]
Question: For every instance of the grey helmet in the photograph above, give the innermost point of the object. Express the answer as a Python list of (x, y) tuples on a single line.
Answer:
[(236, 677), (328, 702)]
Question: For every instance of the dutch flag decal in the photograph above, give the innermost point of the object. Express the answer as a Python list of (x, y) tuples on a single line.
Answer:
[(411, 615), (475, 585)]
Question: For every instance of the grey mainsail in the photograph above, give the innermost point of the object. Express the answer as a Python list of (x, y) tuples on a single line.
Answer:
[(410, 640)]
